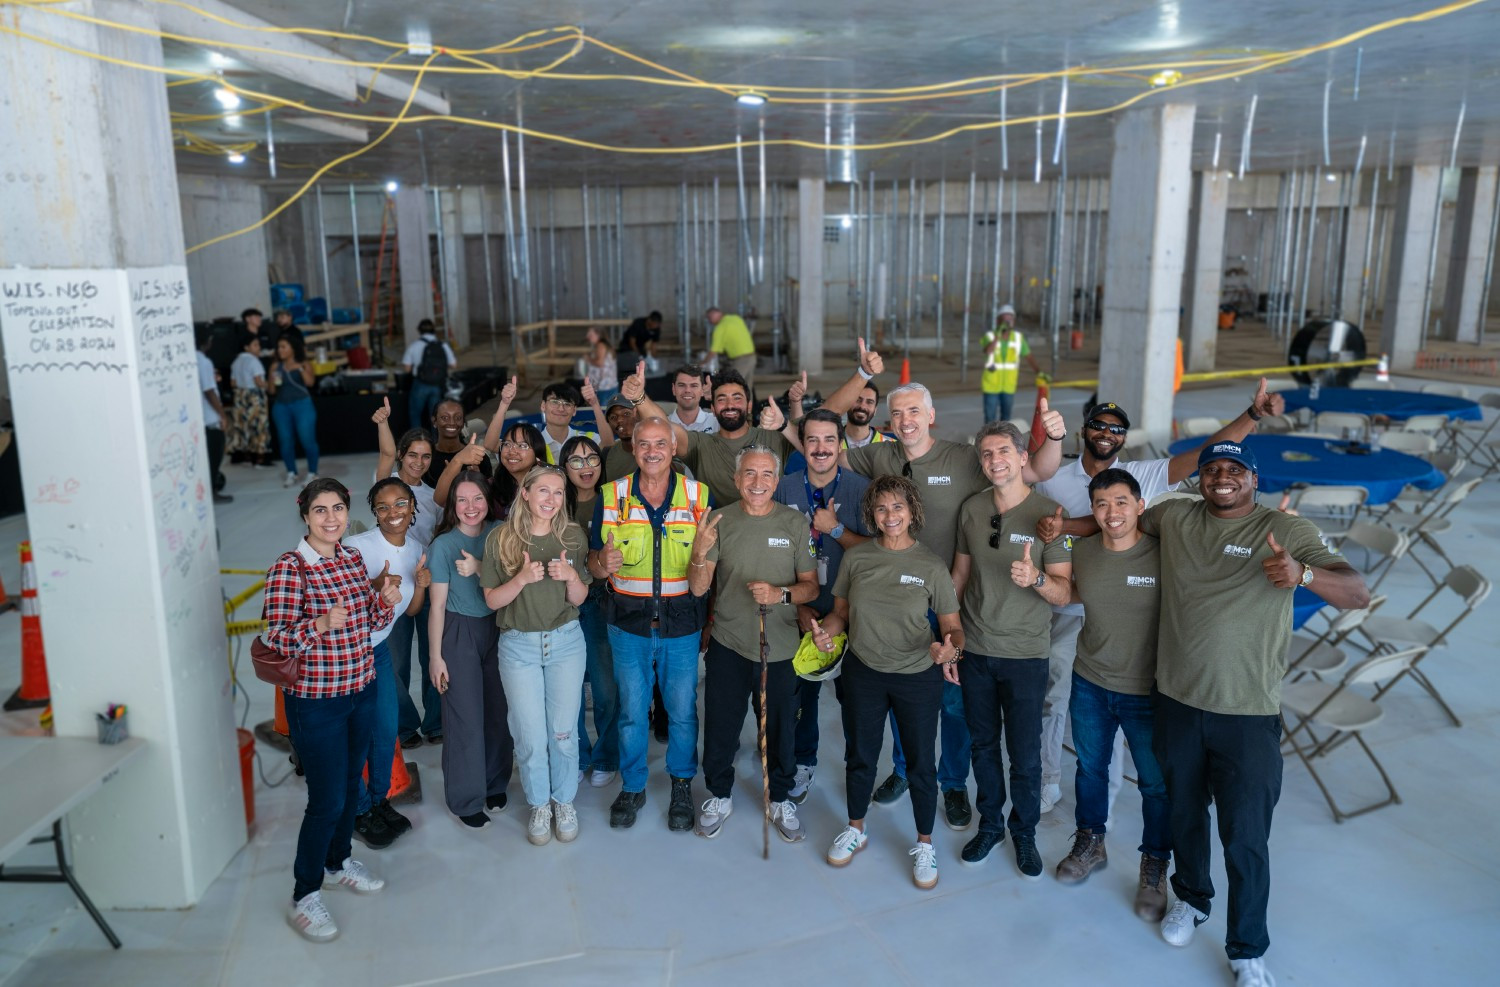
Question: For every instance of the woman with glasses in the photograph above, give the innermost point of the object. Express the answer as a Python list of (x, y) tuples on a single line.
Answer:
[(584, 462), (534, 577), (882, 596), (522, 446)]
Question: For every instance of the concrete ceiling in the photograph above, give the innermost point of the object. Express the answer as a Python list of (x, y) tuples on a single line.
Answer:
[(1400, 90)]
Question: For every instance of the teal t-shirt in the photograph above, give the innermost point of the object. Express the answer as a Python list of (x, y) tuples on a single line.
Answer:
[(464, 593)]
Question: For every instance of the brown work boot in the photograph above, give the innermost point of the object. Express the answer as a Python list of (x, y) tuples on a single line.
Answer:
[(1086, 857), (1151, 898)]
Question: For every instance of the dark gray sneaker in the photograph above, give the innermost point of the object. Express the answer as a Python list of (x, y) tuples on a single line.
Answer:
[(1028, 861), (680, 811), (980, 846), (622, 813), (1086, 857), (890, 790), (394, 821), (956, 811), (371, 830)]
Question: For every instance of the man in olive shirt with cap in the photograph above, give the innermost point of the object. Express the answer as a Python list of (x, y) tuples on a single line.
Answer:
[(1228, 570), (758, 550)]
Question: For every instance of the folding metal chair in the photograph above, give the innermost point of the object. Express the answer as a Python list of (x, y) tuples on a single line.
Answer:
[(1412, 443), (1375, 539), (1450, 390), (1343, 423), (1334, 707), (1426, 424), (1472, 439), (1322, 655), (1199, 426), (1389, 634), (1276, 425), (1338, 504), (1414, 500), (1434, 520)]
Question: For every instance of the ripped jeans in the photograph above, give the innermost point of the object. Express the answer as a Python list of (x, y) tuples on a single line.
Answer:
[(542, 672)]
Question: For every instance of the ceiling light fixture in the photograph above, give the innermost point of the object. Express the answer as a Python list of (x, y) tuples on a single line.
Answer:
[(1331, 177), (391, 186), (1166, 77), (232, 120), (236, 157), (750, 98), (227, 98), (217, 60)]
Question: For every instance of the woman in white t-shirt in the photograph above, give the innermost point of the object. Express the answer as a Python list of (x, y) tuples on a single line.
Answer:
[(250, 418), (390, 553), (599, 367)]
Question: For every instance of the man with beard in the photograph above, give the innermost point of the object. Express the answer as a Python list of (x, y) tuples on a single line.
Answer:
[(859, 433), (1229, 567), (946, 474), (1104, 432)]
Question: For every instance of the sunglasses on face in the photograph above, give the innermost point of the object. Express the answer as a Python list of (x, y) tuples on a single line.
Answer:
[(1095, 425), (995, 522), (583, 462)]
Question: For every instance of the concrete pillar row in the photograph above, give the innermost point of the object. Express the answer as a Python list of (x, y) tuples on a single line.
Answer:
[(1471, 244), (414, 253), (1415, 218), (810, 287), (1206, 273)]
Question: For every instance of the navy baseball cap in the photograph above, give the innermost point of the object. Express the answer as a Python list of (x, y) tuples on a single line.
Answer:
[(1108, 408), (1228, 450)]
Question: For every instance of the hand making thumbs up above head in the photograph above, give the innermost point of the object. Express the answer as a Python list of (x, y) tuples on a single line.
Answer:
[(1023, 572), (633, 388), (382, 413), (1052, 422), (472, 454), (1265, 403), (772, 420), (1283, 571), (796, 393), (869, 360), (508, 393), (1049, 528)]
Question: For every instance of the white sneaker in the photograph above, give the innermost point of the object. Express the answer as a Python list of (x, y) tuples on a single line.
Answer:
[(290, 481), (784, 818), (309, 478), (711, 819), (1252, 973), (924, 866), (1181, 921), (539, 827), (311, 919), (601, 778), (354, 877), (567, 822), (802, 784), (1051, 795), (846, 845)]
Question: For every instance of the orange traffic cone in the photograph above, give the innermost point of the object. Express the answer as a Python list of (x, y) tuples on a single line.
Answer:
[(282, 726), (34, 692), (401, 778), (906, 370)]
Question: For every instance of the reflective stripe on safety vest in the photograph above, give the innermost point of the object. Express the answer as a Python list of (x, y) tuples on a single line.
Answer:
[(625, 517)]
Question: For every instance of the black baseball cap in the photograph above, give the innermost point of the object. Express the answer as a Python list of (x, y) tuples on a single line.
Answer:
[(1109, 408)]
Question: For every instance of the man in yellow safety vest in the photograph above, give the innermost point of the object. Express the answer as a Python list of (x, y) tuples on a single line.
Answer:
[(1003, 346)]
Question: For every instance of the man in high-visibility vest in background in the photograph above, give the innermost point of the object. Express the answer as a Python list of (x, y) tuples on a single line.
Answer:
[(1003, 346)]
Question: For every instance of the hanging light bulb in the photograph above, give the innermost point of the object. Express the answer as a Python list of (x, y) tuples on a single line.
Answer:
[(227, 98), (236, 157), (751, 98)]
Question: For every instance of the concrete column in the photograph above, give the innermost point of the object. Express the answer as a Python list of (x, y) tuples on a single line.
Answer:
[(1471, 242), (414, 256), (1352, 268), (1206, 255), (810, 275), (1150, 189), (228, 277), (455, 281), (97, 328), (1415, 215)]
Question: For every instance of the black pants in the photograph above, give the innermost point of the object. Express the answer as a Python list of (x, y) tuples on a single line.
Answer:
[(731, 683), (215, 457), (1235, 762), (478, 751), (915, 699), (1006, 695)]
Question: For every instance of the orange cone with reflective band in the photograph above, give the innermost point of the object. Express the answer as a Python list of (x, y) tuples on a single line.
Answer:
[(34, 692)]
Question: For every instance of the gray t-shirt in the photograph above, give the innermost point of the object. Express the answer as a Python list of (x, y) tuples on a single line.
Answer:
[(771, 548), (889, 595), (1224, 627), (541, 606), (464, 593), (711, 458), (1001, 619), (946, 476), (1117, 646)]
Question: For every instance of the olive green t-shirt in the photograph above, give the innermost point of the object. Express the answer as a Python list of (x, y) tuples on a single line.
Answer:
[(773, 549), (540, 606), (1121, 593), (711, 458), (618, 461), (1224, 627), (1001, 619), (889, 594), (946, 476), (583, 515)]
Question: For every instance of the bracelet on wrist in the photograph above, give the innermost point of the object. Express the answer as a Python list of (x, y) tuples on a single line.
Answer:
[(1253, 416), (865, 373)]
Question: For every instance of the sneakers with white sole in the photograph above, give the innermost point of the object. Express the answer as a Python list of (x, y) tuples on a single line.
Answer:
[(924, 866), (290, 480), (784, 818), (1051, 795), (353, 876), (311, 919), (711, 819), (802, 784), (1251, 973), (566, 818), (539, 826), (846, 845), (1181, 922), (601, 778)]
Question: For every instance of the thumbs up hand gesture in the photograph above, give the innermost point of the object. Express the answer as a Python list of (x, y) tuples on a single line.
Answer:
[(633, 388), (383, 413), (472, 454), (390, 593), (508, 393), (821, 637), (772, 420), (336, 617), (1052, 422), (1265, 403), (1023, 572), (424, 574), (530, 572), (1283, 571), (466, 564), (797, 392), (561, 568), (1049, 528), (611, 558), (870, 361)]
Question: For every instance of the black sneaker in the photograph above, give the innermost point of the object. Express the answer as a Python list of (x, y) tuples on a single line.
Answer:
[(980, 846), (680, 812), (956, 811), (475, 820), (394, 821), (1028, 861), (626, 805), (415, 740), (495, 803), (433, 738), (890, 790), (371, 830)]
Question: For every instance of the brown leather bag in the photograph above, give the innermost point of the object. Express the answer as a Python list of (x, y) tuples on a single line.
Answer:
[(271, 665)]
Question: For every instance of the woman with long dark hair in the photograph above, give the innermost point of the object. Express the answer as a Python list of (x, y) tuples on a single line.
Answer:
[(320, 606), (583, 462), (291, 382), (250, 419)]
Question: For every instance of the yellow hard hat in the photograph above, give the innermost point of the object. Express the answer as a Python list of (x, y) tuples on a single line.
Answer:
[(817, 666)]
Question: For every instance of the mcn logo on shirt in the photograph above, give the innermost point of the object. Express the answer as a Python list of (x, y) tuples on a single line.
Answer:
[(1239, 551), (940, 481), (1143, 581), (1018, 539), (778, 542), (912, 581)]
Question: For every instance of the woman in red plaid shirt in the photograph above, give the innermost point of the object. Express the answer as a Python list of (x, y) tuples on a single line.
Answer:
[(321, 606)]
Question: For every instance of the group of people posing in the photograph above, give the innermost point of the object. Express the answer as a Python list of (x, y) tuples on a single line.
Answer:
[(972, 595)]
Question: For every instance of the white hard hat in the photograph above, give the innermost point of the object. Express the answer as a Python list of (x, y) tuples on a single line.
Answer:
[(1007, 310)]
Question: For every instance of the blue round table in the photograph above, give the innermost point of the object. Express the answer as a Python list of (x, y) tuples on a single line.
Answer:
[(1288, 459), (1396, 405), (1305, 603)]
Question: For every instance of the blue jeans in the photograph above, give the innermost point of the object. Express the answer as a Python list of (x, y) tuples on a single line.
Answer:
[(399, 642), (675, 661), (382, 734), (1095, 713), (299, 420), (603, 754), (997, 406), (422, 401), (953, 761), (542, 672), (332, 738)]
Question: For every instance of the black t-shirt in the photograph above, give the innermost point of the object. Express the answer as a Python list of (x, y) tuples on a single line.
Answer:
[(440, 462), (638, 335)]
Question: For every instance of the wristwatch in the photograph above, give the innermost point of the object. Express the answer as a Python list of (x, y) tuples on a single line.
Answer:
[(1307, 574), (1041, 580), (786, 596), (837, 532)]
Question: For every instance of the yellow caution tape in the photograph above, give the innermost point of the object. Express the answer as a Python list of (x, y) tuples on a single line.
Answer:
[(1230, 374)]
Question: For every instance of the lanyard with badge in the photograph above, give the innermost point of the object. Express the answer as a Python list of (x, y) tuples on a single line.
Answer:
[(816, 499)]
